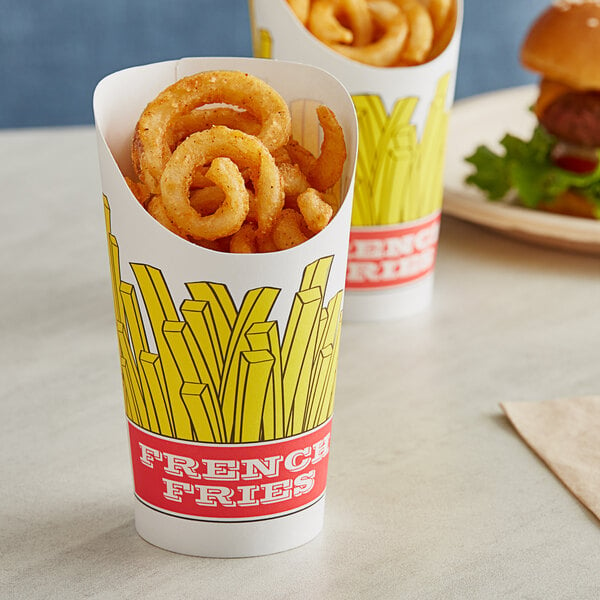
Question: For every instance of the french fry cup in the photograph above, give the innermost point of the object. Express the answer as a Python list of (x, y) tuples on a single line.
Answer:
[(228, 361), (403, 117)]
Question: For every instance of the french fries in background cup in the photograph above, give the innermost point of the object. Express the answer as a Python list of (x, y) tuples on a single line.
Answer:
[(228, 360), (402, 113)]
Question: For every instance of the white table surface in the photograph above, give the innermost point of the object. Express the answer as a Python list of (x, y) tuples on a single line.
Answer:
[(431, 494)]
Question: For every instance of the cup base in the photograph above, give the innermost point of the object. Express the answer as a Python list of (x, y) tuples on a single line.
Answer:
[(232, 539), (388, 304)]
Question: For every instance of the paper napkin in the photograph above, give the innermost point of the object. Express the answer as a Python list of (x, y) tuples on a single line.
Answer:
[(565, 434)]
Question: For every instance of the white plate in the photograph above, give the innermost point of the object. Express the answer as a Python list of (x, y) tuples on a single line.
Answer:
[(485, 119)]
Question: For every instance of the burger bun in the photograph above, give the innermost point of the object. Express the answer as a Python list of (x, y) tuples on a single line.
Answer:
[(563, 44)]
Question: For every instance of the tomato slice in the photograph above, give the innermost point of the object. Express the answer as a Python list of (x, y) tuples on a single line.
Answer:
[(576, 164)]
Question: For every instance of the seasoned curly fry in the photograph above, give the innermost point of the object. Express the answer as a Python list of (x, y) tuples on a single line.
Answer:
[(150, 148), (139, 190), (325, 21), (293, 179), (206, 200), (227, 177), (288, 231), (200, 119), (244, 240), (325, 170), (381, 33), (440, 11), (202, 148), (230, 215), (157, 209), (384, 51), (316, 212), (420, 37)]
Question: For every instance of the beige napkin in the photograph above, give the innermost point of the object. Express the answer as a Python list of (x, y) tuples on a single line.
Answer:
[(565, 434)]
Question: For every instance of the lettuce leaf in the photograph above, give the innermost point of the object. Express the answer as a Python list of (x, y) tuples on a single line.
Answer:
[(527, 168)]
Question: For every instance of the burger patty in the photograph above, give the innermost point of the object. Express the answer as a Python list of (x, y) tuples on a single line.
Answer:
[(575, 118)]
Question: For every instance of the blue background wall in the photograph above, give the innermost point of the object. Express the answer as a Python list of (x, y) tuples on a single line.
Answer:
[(52, 54)]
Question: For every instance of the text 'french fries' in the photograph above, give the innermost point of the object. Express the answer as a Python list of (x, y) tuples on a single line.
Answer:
[(211, 371), (381, 33), (217, 164)]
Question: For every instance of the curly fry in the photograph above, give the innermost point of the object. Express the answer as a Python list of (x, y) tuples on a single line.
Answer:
[(203, 148), (139, 190), (384, 51), (294, 180), (324, 24), (156, 208), (265, 243), (230, 215), (244, 241), (316, 212), (206, 200), (200, 119), (325, 21), (150, 148), (440, 11), (288, 231), (325, 170), (420, 37)]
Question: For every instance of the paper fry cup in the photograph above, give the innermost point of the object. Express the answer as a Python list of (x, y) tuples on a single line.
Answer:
[(228, 360), (403, 116)]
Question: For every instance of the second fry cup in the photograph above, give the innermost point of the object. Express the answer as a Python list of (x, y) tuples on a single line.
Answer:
[(402, 114), (228, 361)]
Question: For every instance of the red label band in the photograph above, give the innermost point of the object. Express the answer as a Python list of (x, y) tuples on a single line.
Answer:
[(230, 482), (388, 256)]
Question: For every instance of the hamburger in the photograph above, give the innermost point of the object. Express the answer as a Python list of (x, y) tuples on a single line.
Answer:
[(558, 169)]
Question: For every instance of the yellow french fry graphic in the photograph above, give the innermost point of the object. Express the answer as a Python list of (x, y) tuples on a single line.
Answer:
[(329, 395), (154, 382), (133, 379), (371, 122), (334, 308), (256, 306), (322, 327), (134, 407), (222, 309), (198, 316), (219, 373), (193, 369), (398, 177), (196, 397), (393, 162), (189, 357), (115, 275), (263, 44), (326, 387), (253, 382), (393, 176), (265, 336), (114, 265), (316, 395), (133, 318), (316, 274), (329, 316), (298, 351), (130, 410), (432, 150), (160, 308), (106, 205)]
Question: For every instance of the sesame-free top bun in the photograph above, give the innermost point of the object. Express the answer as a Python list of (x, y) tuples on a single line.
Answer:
[(563, 44)]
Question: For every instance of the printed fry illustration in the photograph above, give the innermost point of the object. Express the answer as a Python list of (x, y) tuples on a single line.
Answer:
[(398, 177), (211, 371)]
